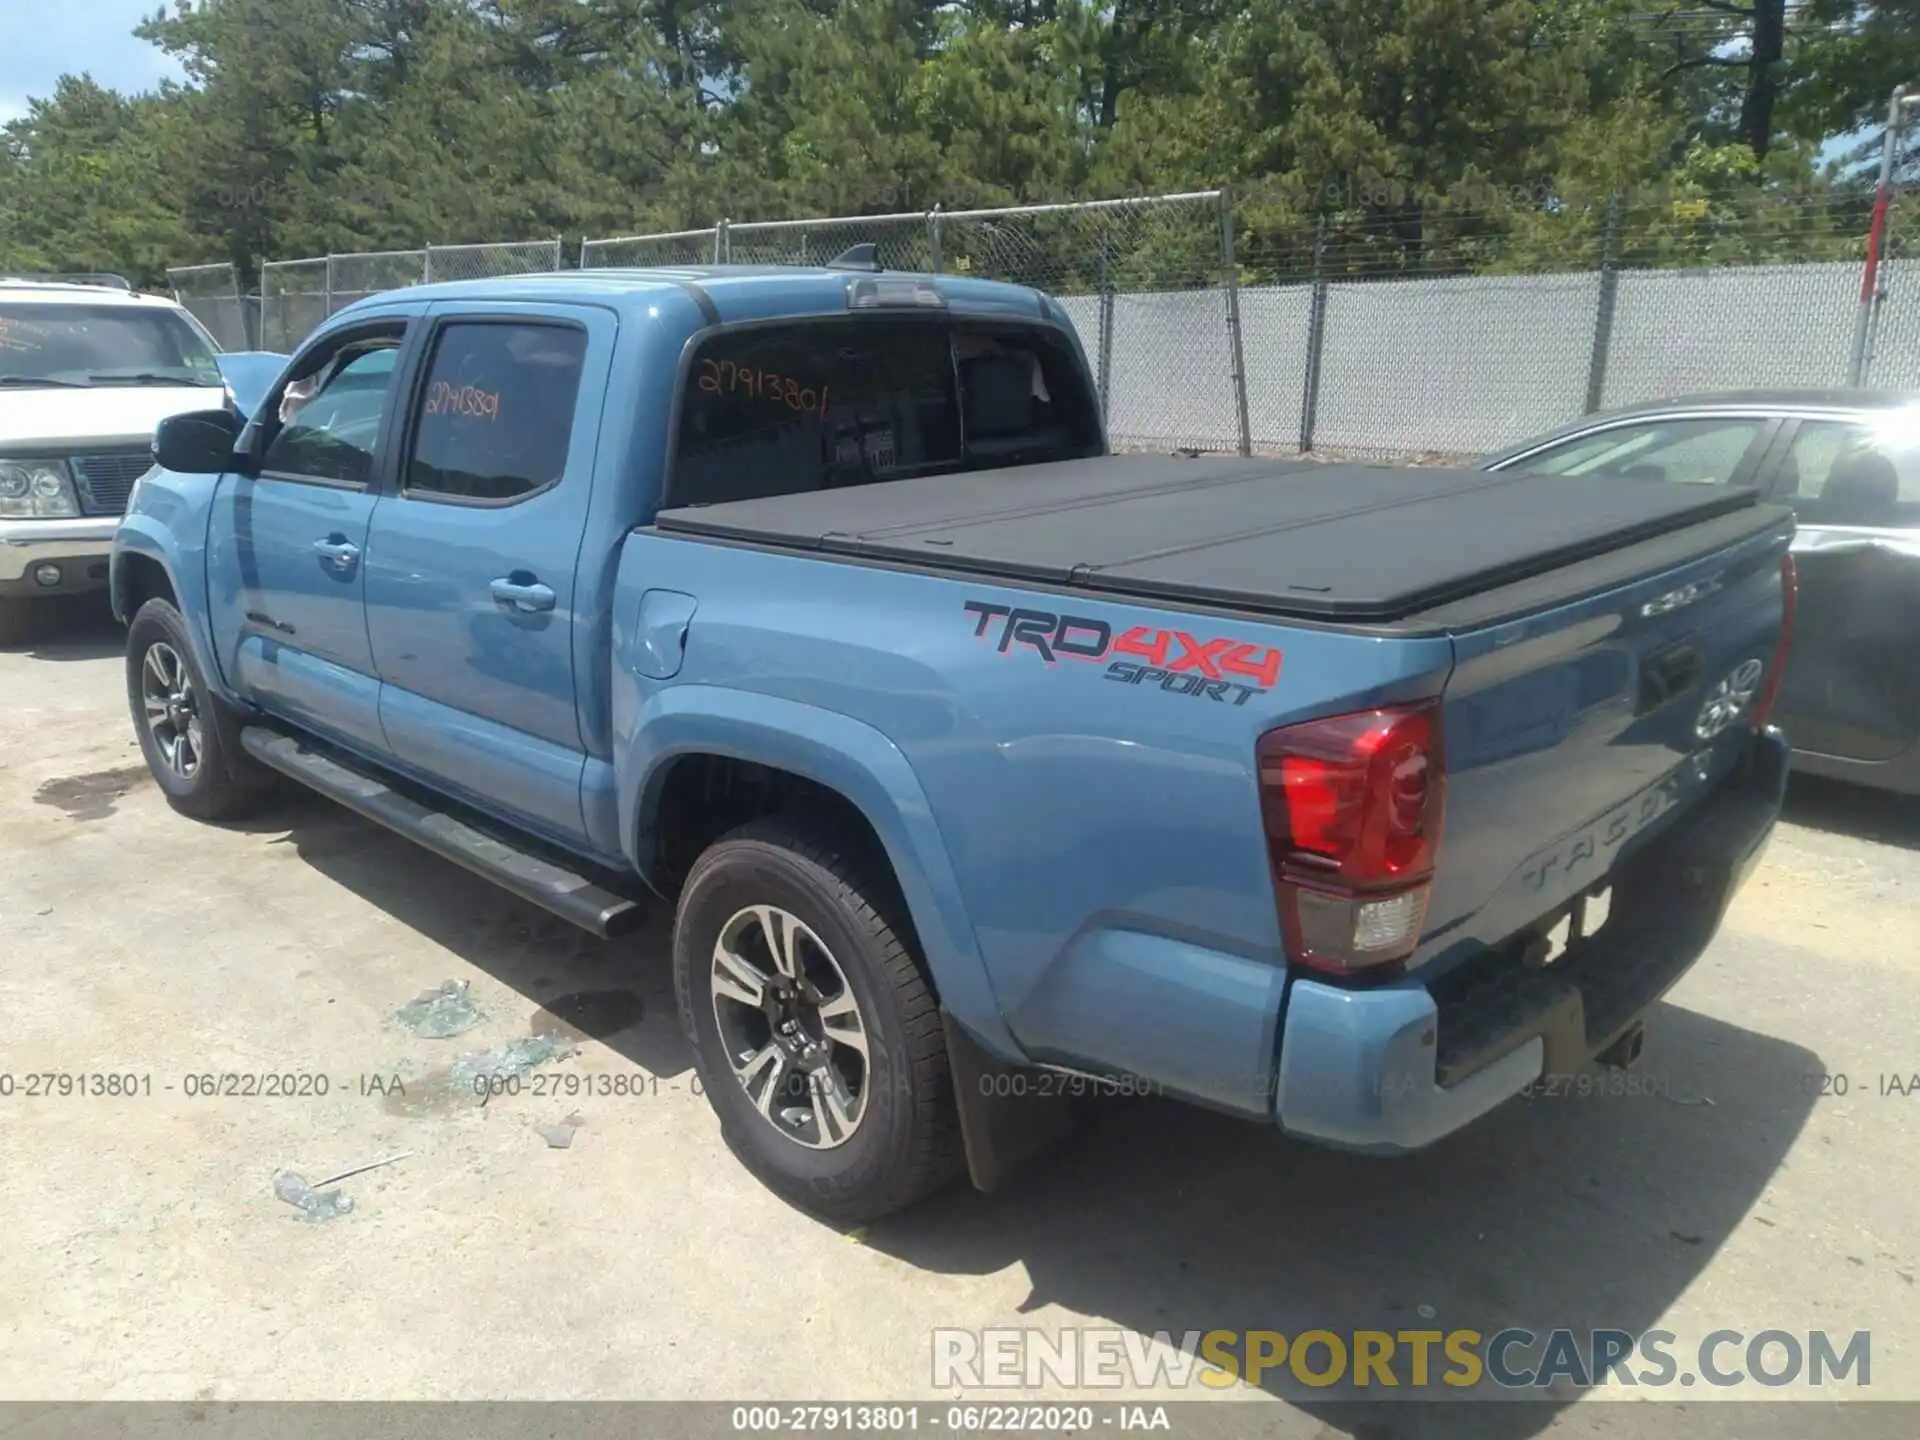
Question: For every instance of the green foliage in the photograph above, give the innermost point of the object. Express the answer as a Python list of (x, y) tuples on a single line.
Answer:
[(1410, 134)]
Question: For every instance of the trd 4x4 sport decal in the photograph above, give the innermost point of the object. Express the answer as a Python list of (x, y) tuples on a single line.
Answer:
[(1224, 670)]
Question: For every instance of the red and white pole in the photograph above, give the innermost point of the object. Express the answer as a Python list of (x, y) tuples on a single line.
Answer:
[(1876, 236)]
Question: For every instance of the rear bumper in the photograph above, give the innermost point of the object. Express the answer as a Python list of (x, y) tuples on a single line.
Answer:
[(79, 548), (1395, 1069)]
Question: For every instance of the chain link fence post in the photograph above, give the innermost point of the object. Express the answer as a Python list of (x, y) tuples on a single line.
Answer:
[(1104, 336), (1316, 335), (1883, 288), (293, 299), (211, 294), (722, 242), (1230, 276), (1140, 281), (673, 247), (934, 221), (1604, 310)]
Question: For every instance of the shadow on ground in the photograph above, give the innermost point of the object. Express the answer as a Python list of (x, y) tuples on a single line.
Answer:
[(1581, 1213), (1584, 1213), (1843, 809), (72, 627), (523, 947)]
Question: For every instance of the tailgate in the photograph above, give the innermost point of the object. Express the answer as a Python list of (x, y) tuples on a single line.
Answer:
[(1577, 734)]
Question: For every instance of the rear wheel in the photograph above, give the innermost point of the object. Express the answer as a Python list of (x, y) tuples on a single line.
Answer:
[(190, 741), (815, 1033)]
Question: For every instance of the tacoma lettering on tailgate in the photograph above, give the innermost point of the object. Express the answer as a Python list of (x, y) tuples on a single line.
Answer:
[(1221, 669), (1598, 841)]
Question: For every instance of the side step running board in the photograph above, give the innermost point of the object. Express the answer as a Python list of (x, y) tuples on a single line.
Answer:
[(552, 887)]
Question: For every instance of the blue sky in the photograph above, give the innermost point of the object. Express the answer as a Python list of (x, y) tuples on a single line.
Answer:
[(46, 39)]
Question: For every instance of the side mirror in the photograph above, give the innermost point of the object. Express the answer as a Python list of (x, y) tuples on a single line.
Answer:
[(200, 443)]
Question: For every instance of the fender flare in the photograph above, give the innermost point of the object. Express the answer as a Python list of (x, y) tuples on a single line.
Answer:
[(141, 535), (858, 762)]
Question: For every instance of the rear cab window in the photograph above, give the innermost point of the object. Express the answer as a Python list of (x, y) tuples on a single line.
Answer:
[(817, 404)]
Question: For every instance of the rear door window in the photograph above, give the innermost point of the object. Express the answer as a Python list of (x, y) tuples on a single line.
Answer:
[(1842, 473), (496, 419), (812, 405), (1695, 452)]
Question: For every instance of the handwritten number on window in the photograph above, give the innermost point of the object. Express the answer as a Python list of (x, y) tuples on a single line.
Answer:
[(467, 400), (724, 377)]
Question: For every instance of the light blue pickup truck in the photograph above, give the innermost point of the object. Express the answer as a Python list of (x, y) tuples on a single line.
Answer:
[(986, 769)]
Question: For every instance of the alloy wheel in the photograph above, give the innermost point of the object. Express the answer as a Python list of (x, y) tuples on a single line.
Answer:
[(172, 709), (791, 1026)]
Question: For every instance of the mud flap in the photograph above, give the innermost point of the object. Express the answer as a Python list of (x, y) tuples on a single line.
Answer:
[(1002, 1125)]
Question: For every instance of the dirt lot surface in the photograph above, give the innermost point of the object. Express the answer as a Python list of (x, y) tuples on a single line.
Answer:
[(146, 1255)]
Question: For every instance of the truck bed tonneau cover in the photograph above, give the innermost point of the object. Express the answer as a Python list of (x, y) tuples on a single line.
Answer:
[(1288, 538)]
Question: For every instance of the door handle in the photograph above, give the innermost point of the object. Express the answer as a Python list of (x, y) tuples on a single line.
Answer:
[(522, 592), (1672, 671), (337, 549)]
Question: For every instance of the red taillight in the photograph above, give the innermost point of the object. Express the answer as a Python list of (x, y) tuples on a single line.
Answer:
[(1777, 668), (1353, 805)]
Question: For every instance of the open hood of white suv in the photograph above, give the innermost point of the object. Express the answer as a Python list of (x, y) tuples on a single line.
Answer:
[(106, 415)]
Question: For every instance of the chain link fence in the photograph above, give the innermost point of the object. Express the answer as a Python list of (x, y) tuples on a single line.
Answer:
[(672, 248), (1150, 287), (1222, 322), (294, 297), (490, 262), (211, 294), (355, 277), (901, 242), (1451, 334)]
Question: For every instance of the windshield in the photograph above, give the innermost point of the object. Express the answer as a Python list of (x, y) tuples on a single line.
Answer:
[(92, 346)]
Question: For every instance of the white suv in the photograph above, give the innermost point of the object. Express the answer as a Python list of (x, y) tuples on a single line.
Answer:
[(86, 373)]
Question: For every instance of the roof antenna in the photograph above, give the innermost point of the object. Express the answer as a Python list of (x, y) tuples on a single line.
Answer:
[(856, 257)]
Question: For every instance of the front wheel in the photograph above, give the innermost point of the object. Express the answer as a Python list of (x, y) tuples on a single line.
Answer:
[(191, 743), (815, 1033)]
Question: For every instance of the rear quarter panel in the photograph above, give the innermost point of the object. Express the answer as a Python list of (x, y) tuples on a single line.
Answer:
[(1104, 837)]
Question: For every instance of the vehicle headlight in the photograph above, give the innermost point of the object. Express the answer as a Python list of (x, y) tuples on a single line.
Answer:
[(36, 489)]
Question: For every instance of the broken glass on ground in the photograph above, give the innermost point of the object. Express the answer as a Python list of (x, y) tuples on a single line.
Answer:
[(315, 1206), (560, 1136), (485, 1073), (442, 1013)]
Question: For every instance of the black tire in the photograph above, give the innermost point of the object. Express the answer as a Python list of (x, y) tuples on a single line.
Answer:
[(906, 1141), (224, 782)]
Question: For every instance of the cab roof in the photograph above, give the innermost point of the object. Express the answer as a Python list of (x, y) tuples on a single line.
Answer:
[(735, 291)]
